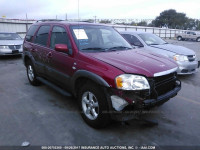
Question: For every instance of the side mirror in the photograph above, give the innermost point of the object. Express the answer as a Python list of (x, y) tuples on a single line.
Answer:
[(61, 48), (138, 44)]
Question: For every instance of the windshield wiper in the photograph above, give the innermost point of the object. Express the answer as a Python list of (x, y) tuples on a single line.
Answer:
[(119, 47), (154, 44), (94, 48)]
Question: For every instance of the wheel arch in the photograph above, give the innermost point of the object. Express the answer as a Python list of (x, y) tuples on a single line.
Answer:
[(28, 57), (82, 76), (197, 38)]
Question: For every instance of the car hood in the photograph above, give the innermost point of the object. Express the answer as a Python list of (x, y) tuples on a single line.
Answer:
[(11, 42), (136, 62), (175, 48)]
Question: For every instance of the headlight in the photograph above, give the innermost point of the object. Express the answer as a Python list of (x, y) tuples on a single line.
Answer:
[(131, 82), (3, 47), (180, 58)]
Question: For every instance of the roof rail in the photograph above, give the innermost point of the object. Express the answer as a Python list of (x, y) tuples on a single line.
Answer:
[(43, 20), (88, 21)]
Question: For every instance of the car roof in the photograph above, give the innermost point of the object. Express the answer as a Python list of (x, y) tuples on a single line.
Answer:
[(68, 23), (133, 32)]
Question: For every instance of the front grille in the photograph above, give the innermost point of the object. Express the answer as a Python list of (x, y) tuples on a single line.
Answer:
[(191, 58), (162, 84), (14, 47)]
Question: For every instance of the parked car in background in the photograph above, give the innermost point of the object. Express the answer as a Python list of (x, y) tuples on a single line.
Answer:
[(99, 67), (10, 43), (185, 58), (188, 35)]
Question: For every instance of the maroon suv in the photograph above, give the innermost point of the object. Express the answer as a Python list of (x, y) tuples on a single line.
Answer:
[(98, 66)]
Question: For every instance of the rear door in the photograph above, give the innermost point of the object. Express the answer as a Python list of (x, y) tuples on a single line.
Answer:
[(188, 35), (39, 48), (59, 64)]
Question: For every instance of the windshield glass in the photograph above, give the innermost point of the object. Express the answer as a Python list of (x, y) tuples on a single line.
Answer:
[(98, 38), (152, 39), (9, 36)]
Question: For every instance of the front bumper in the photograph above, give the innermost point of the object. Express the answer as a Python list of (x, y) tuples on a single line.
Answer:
[(10, 52), (163, 98), (141, 100), (187, 67)]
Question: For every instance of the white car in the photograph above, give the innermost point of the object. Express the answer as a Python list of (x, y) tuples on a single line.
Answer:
[(10, 43), (184, 57)]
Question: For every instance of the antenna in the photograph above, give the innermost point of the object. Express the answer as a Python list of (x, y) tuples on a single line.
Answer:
[(66, 17), (95, 17), (26, 22), (78, 10)]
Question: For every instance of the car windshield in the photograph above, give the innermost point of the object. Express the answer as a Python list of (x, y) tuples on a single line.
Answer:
[(9, 36), (98, 38), (152, 39)]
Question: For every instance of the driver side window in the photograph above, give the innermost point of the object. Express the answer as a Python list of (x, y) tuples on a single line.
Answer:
[(132, 40), (59, 36)]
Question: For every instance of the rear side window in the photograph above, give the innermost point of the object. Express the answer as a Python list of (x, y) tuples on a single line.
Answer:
[(30, 33), (59, 36), (42, 35)]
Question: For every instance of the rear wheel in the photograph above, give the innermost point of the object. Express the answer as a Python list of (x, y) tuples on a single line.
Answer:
[(93, 105), (179, 38), (31, 74)]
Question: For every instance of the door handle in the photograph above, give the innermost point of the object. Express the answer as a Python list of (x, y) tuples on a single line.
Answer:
[(49, 55), (33, 50)]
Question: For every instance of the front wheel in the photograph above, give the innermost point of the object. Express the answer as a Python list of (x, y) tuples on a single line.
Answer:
[(93, 105), (198, 39), (179, 38)]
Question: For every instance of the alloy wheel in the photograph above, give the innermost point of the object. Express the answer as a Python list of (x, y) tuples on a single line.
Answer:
[(90, 105)]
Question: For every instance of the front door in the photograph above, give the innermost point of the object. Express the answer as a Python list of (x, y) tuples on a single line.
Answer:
[(59, 66)]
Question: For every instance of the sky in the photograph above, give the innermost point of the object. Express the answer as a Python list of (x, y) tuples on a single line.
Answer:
[(102, 9)]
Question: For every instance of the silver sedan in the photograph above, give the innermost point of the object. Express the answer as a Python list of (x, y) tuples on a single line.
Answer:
[(185, 58), (10, 44)]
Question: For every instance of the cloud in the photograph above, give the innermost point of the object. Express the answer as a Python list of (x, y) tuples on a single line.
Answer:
[(110, 9)]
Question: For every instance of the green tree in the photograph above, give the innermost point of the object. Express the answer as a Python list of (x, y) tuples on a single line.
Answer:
[(171, 19), (133, 23), (105, 21), (142, 23)]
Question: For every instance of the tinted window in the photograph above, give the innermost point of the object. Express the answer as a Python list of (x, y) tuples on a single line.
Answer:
[(42, 35), (59, 36), (30, 33), (131, 39)]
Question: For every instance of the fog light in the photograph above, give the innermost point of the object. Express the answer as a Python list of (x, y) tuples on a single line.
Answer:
[(118, 103)]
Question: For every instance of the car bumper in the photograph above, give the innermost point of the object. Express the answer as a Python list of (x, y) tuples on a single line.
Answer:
[(163, 98), (187, 67), (10, 52), (138, 103)]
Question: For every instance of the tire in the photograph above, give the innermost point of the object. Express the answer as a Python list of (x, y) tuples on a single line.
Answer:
[(198, 39), (93, 105), (31, 74), (179, 38)]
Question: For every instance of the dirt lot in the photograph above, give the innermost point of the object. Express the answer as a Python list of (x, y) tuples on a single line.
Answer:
[(44, 117)]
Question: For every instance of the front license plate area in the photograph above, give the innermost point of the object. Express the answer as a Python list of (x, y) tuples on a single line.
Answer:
[(15, 51)]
